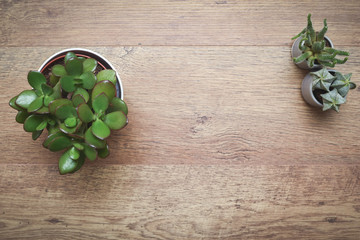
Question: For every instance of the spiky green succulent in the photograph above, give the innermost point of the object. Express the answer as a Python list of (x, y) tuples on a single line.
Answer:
[(343, 83), (336, 87), (322, 79), (332, 100), (314, 49), (76, 107)]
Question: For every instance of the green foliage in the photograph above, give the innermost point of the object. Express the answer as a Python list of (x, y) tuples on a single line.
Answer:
[(322, 79), (343, 83), (332, 100), (76, 73), (77, 107), (336, 88), (106, 75), (313, 47)]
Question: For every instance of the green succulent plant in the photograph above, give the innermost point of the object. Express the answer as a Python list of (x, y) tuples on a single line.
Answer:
[(77, 108), (314, 49), (332, 100), (335, 88), (343, 83), (322, 79)]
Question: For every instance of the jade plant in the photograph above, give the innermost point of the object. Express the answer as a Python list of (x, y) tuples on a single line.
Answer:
[(332, 89), (314, 49), (77, 107)]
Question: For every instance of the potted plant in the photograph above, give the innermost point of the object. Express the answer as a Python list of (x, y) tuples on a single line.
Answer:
[(313, 50), (326, 89), (77, 100)]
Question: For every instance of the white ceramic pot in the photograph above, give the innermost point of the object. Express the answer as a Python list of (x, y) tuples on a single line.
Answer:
[(307, 92), (82, 52), (296, 52)]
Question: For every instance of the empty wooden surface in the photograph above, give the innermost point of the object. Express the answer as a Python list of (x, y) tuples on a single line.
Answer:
[(220, 143)]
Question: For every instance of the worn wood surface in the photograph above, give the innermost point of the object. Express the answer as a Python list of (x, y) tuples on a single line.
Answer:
[(171, 22), (181, 202), (220, 143), (205, 105)]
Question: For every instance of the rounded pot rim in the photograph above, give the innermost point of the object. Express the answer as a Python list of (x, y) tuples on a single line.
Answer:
[(59, 54)]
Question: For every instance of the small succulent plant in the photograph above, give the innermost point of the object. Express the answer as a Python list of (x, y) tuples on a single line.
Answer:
[(314, 49), (76, 107), (334, 88)]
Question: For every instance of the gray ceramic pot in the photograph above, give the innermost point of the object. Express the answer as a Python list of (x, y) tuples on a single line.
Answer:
[(307, 92), (103, 62), (296, 52)]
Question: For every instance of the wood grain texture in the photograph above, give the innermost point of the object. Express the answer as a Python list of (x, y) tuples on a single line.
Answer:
[(171, 22), (180, 202), (220, 143), (203, 105)]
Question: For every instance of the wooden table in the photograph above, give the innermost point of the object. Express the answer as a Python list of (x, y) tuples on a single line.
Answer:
[(220, 143)]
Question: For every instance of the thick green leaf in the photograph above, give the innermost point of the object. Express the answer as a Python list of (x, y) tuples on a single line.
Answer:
[(68, 83), (56, 91), (53, 130), (65, 111), (117, 104), (77, 100), (104, 152), (116, 120), (78, 134), (85, 114), (80, 162), (100, 103), (90, 152), (74, 153), (43, 110), (100, 129), (92, 140), (54, 80), (35, 79), (32, 122), (36, 104), (47, 100), (68, 56), (21, 116), (53, 133), (13, 104), (84, 93), (88, 80), (79, 146), (41, 126), (70, 122), (66, 163), (25, 98), (74, 67), (89, 65), (58, 70), (106, 87), (107, 74), (70, 130), (59, 143), (36, 135), (46, 89), (57, 103)]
